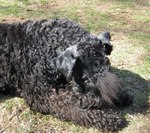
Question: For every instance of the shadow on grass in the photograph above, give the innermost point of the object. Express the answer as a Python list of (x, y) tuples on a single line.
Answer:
[(4, 97), (138, 87)]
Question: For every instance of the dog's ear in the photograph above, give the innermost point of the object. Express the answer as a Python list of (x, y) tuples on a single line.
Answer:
[(105, 39), (66, 60)]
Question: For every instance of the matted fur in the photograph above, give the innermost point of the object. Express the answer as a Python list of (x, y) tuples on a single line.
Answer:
[(61, 69)]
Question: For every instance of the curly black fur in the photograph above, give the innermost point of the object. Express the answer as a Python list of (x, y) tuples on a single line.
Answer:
[(61, 69)]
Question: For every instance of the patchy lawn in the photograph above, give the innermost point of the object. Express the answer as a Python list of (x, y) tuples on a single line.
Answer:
[(129, 23)]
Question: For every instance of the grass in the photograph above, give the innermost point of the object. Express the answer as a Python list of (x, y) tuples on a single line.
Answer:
[(129, 23)]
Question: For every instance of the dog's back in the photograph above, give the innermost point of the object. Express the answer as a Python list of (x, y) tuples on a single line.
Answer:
[(26, 50)]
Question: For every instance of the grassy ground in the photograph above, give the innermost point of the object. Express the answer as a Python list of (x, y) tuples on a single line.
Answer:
[(129, 23)]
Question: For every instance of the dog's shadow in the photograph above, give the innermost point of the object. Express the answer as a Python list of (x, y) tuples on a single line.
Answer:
[(138, 87)]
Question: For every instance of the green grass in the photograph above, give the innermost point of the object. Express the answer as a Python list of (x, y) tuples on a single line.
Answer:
[(129, 23), (141, 37)]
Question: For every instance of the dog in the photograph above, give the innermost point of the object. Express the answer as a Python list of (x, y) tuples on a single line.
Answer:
[(61, 69)]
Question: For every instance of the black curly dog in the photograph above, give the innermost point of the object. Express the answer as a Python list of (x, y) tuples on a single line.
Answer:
[(63, 70)]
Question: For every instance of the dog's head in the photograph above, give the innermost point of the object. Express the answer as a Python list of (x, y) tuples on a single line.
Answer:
[(87, 63)]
